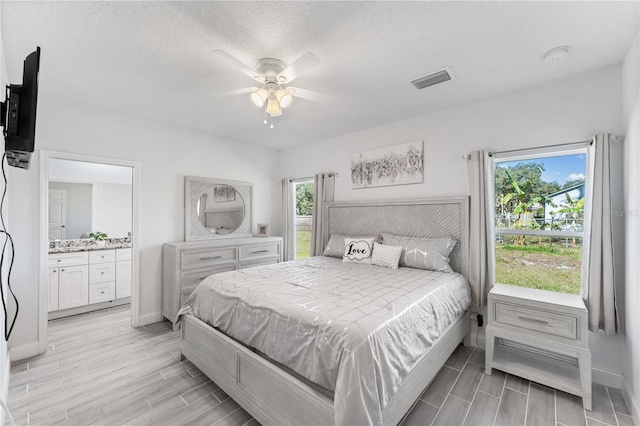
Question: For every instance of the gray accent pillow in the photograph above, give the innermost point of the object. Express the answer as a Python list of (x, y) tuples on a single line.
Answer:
[(423, 253), (335, 246)]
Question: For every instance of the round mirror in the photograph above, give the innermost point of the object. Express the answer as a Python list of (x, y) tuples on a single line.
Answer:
[(220, 209)]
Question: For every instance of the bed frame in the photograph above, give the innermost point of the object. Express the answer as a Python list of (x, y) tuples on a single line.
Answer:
[(275, 397)]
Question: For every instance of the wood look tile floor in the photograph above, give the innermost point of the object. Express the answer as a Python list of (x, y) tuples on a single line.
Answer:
[(99, 370)]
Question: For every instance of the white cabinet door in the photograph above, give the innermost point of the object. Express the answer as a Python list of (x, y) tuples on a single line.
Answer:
[(53, 289), (73, 287), (123, 279)]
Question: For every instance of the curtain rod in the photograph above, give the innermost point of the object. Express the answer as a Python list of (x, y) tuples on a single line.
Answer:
[(590, 141), (302, 179)]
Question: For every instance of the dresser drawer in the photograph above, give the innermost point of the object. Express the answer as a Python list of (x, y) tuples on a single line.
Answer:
[(102, 256), (184, 295), (68, 259), (102, 272), (259, 250), (102, 292), (206, 257), (189, 280), (555, 323), (260, 262)]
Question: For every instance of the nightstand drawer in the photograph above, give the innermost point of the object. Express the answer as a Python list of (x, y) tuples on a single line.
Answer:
[(554, 323)]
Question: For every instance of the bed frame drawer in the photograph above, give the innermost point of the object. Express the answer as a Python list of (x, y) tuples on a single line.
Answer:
[(189, 280), (198, 258), (259, 251)]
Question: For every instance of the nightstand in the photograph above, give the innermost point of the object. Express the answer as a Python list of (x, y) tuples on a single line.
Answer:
[(549, 321)]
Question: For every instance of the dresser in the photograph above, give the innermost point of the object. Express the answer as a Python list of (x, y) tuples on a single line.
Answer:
[(553, 326), (186, 264)]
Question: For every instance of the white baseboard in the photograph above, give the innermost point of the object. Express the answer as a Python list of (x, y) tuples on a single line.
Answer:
[(606, 378), (150, 318), (24, 351), (629, 398), (4, 383)]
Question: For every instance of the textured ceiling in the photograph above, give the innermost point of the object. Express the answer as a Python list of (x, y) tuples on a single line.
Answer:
[(153, 59)]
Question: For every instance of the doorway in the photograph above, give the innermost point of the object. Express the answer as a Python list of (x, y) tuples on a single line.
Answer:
[(88, 201)]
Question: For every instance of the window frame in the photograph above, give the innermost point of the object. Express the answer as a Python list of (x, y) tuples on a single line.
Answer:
[(527, 155)]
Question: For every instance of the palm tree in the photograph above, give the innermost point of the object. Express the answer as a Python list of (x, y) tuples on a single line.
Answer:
[(572, 210), (524, 203)]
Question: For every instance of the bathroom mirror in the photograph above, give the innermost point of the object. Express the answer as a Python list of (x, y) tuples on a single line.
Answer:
[(216, 208), (87, 197)]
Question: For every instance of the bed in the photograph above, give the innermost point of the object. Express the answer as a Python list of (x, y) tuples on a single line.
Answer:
[(275, 319)]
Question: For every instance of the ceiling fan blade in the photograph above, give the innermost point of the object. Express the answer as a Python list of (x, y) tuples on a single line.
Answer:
[(234, 63), (300, 66), (309, 94), (235, 92)]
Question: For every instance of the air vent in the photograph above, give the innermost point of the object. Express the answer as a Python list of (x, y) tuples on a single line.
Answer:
[(433, 79)]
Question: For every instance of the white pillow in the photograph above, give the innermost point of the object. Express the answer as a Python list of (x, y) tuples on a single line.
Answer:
[(386, 256), (358, 250), (335, 246)]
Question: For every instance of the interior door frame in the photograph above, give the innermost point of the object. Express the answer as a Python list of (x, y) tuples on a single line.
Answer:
[(45, 156)]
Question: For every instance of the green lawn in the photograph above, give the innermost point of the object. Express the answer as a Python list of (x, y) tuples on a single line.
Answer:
[(303, 244), (548, 268)]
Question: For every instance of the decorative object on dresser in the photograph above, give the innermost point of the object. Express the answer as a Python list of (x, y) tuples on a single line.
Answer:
[(262, 230), (216, 208), (186, 264), (392, 165), (83, 281), (545, 320)]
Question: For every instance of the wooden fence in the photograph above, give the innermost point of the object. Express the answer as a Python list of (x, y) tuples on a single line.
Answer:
[(303, 223)]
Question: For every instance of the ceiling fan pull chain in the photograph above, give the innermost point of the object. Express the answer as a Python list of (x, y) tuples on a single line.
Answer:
[(265, 114), (271, 122)]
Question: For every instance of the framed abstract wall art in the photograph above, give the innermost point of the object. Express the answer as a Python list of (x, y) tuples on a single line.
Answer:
[(392, 165)]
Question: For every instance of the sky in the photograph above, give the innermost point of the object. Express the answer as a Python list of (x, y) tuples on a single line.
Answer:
[(559, 168)]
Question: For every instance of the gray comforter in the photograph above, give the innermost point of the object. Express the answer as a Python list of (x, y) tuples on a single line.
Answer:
[(355, 330)]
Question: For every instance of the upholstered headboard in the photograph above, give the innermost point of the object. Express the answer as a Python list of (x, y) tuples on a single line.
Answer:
[(419, 218)]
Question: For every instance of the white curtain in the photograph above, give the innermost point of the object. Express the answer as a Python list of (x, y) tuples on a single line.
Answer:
[(288, 226), (598, 288), (323, 188), (480, 168)]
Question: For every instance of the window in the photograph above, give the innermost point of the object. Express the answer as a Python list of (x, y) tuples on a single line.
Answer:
[(303, 218), (539, 212)]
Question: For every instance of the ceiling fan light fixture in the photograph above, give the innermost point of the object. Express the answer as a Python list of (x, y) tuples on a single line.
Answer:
[(259, 97), (284, 98), (273, 107)]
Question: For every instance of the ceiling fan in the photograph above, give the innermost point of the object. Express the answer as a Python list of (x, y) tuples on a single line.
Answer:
[(274, 94)]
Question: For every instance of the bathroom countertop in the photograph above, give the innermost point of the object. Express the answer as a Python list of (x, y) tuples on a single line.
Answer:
[(88, 248), (73, 246)]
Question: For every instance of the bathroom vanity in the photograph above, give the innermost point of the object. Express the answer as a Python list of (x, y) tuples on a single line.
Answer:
[(84, 277)]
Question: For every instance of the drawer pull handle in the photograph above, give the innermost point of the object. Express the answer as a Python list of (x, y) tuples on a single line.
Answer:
[(59, 260), (259, 251), (210, 258), (533, 320)]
